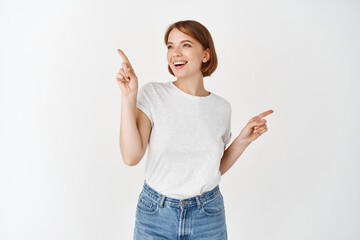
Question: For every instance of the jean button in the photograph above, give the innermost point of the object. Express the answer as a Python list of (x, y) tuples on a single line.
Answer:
[(182, 203)]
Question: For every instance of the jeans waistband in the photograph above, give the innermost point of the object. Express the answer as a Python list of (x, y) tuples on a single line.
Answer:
[(188, 202)]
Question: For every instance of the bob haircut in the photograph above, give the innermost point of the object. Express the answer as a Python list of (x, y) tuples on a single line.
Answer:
[(199, 32)]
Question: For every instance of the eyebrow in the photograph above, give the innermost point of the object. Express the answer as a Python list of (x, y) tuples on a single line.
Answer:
[(181, 42)]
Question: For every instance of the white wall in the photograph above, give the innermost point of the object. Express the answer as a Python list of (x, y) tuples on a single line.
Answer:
[(61, 171)]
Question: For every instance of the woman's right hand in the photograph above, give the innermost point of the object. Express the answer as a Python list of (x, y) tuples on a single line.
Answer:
[(126, 78)]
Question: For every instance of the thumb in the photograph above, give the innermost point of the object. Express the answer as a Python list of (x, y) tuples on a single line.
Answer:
[(253, 124), (130, 72)]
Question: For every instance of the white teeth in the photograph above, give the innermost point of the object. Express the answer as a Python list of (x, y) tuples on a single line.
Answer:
[(178, 63)]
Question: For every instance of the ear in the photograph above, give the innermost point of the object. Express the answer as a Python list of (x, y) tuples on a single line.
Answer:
[(206, 55)]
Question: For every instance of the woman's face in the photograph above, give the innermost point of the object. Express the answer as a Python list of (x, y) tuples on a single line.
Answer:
[(184, 48)]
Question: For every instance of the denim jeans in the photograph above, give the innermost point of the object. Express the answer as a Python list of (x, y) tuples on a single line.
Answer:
[(160, 217)]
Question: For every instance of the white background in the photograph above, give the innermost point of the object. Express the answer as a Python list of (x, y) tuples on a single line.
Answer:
[(61, 171)]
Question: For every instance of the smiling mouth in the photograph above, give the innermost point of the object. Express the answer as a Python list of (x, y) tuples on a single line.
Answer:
[(179, 66)]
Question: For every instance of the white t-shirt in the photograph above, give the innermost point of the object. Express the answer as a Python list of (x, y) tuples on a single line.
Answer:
[(187, 139)]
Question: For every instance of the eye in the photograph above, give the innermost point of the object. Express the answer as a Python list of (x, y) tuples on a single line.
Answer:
[(168, 47)]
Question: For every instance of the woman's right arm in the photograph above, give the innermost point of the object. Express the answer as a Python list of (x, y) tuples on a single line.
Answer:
[(130, 139)]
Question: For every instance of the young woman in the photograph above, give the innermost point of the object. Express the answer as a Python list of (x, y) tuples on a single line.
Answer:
[(187, 129)]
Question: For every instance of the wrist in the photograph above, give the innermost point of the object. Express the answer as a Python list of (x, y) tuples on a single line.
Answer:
[(241, 142), (129, 96)]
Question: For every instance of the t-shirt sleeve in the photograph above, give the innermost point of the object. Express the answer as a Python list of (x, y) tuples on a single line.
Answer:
[(228, 133), (145, 101)]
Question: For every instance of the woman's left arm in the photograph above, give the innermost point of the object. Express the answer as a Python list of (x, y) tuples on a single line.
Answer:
[(253, 129)]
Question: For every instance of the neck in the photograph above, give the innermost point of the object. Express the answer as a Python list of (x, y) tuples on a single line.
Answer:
[(193, 85)]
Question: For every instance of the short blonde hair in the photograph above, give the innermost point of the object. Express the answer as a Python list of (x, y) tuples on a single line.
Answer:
[(199, 32)]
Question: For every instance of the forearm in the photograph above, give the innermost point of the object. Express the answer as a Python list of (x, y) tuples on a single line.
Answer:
[(231, 155), (130, 140)]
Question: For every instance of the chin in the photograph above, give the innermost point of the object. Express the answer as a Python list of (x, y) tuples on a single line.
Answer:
[(179, 75)]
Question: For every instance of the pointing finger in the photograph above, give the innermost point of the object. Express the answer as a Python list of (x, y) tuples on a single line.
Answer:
[(123, 56), (264, 114)]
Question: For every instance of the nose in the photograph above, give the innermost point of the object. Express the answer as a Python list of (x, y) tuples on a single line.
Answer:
[(176, 52)]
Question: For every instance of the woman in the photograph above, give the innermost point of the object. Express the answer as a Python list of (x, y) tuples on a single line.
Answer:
[(187, 129)]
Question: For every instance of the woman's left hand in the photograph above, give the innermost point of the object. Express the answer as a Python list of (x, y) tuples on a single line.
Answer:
[(254, 128)]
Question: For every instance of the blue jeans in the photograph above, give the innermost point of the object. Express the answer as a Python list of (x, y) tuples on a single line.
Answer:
[(160, 217)]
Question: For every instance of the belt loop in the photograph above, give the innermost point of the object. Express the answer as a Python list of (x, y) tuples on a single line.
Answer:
[(161, 203), (198, 202)]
